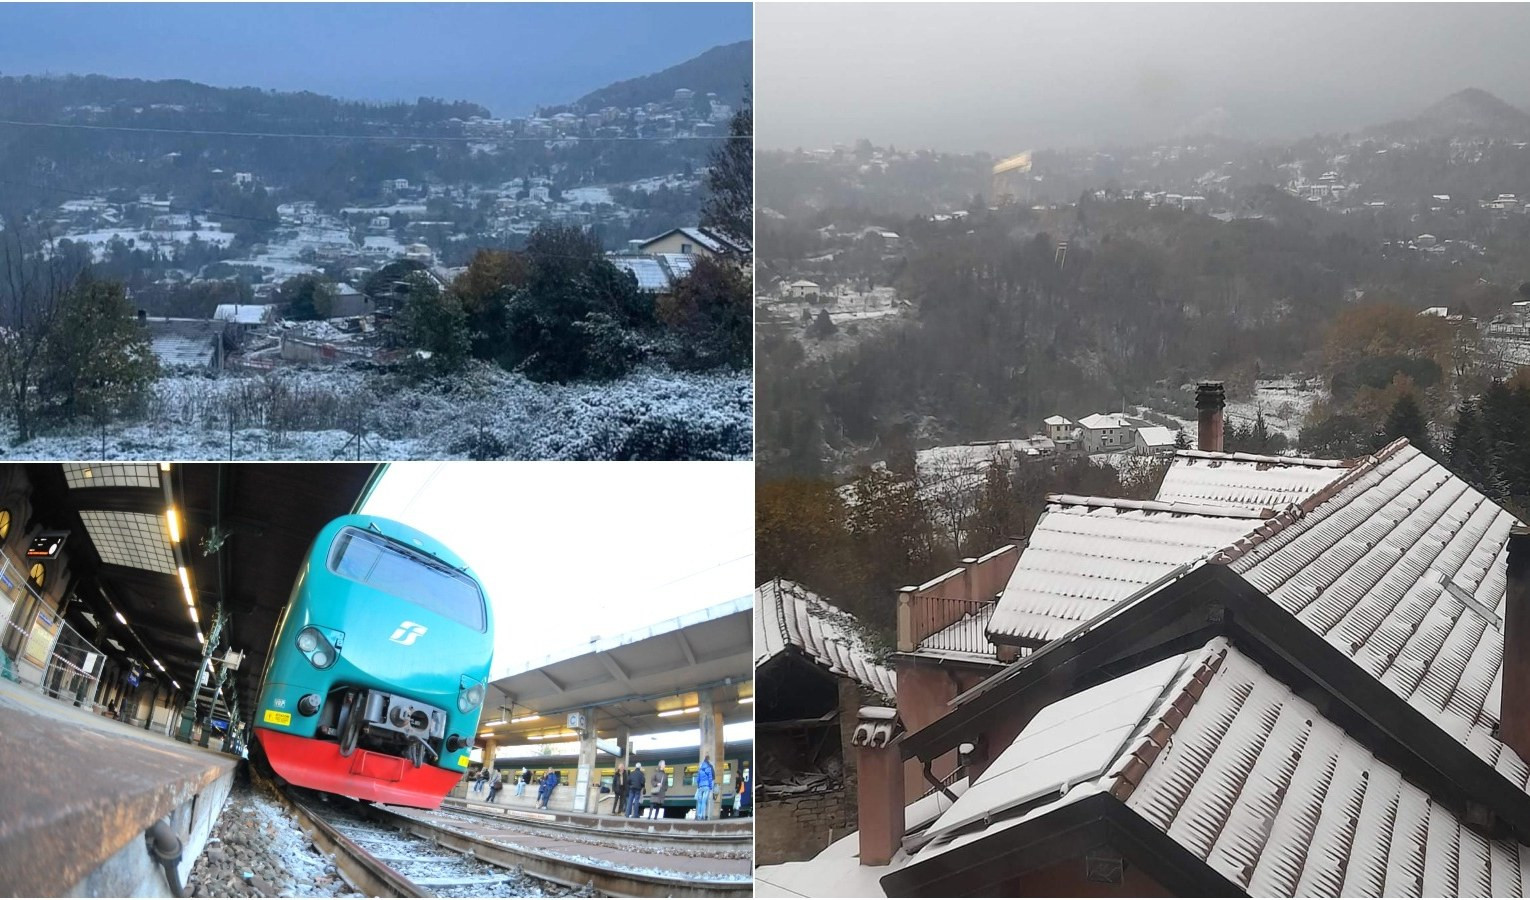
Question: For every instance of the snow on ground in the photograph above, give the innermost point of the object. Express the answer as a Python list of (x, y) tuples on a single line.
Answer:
[(1512, 351), (142, 238), (1285, 402), (310, 413), (587, 195)]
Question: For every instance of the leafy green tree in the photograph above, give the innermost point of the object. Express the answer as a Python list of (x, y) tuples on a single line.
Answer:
[(712, 310), (435, 323), (485, 291), (306, 297), (99, 360), (559, 324)]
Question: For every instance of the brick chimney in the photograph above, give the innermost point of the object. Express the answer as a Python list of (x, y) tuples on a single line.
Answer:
[(1209, 400), (880, 798), (1514, 701)]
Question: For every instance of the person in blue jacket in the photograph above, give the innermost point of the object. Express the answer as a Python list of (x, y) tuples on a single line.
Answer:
[(705, 778), (544, 793)]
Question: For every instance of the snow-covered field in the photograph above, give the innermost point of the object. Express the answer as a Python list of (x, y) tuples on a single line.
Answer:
[(1285, 402), (484, 413)]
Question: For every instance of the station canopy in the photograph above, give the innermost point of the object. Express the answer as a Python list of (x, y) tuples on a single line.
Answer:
[(647, 681), (243, 531)]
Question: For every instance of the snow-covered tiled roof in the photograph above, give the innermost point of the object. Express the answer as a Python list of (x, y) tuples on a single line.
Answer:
[(1241, 479), (1087, 554), (649, 273), (1057, 420), (183, 342), (787, 615), (1227, 761), (1404, 570), (1156, 436), (243, 313), (678, 264), (1103, 420)]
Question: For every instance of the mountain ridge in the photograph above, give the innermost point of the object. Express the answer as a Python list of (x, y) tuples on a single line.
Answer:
[(712, 71)]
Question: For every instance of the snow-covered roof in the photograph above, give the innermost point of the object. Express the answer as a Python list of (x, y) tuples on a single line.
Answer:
[(678, 264), (1404, 570), (1103, 420), (1058, 420), (804, 283), (837, 872), (788, 615), (1246, 480), (1225, 759), (649, 273), (183, 342), (714, 241), (1087, 554), (243, 313), (1156, 436)]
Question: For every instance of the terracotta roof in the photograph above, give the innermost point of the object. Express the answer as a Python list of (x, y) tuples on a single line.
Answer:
[(788, 615), (1087, 554), (1403, 570), (1242, 479), (1226, 760)]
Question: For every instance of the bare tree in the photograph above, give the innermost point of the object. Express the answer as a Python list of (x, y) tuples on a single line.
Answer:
[(33, 284)]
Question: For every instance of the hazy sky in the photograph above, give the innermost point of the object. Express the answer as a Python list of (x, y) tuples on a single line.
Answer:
[(508, 57), (1003, 78), (664, 539)]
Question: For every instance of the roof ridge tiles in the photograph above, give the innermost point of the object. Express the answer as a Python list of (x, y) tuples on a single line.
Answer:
[(1291, 461), (1297, 511), (1183, 509), (1135, 764)]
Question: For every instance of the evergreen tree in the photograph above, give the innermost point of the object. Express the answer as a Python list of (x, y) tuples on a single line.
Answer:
[(98, 360), (729, 206), (1407, 420)]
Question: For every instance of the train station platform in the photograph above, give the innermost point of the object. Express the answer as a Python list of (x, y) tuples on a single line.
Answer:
[(80, 793), (721, 828)]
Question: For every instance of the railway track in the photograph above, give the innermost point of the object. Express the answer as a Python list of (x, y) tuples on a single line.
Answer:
[(666, 836), (395, 852)]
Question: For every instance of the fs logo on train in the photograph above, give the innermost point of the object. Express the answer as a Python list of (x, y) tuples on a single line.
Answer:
[(407, 633)]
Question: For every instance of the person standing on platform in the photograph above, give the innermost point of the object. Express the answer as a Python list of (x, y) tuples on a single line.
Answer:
[(549, 784), (521, 781), (656, 788), (494, 787), (619, 791), (741, 806), (705, 778), (635, 784)]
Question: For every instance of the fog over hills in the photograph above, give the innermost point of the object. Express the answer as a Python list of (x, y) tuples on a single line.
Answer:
[(1001, 78)]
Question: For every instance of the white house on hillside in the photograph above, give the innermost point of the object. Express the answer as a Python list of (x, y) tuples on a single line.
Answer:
[(1155, 441), (1104, 433)]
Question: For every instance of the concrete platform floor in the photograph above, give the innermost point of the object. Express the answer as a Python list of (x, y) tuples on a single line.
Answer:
[(78, 792)]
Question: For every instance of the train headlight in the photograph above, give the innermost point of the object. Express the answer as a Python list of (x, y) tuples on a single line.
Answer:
[(469, 695), (320, 648)]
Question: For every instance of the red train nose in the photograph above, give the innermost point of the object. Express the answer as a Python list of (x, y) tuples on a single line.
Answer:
[(365, 775)]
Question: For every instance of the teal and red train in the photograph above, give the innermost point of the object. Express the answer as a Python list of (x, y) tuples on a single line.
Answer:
[(377, 672)]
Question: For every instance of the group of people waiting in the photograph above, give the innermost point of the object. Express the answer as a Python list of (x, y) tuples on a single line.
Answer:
[(629, 787), (634, 793), (494, 781)]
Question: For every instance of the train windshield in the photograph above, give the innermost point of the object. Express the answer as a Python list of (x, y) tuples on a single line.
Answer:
[(392, 567)]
